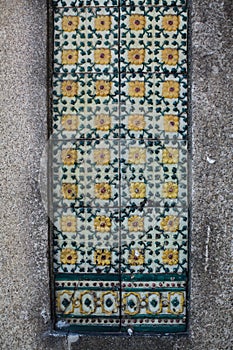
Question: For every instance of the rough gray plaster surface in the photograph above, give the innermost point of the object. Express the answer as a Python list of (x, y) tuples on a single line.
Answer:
[(24, 283)]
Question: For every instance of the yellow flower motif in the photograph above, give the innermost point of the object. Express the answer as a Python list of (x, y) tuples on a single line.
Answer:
[(102, 257), (69, 56), (136, 122), (170, 190), (137, 190), (102, 223), (69, 156), (102, 56), (136, 223), (103, 23), (136, 258), (136, 88), (170, 22), (69, 191), (170, 56), (70, 23), (102, 156), (171, 123), (103, 122), (137, 22), (70, 122), (103, 190), (137, 155), (136, 56), (68, 223), (170, 257), (68, 256), (170, 155), (171, 89), (69, 88), (170, 223), (103, 87)]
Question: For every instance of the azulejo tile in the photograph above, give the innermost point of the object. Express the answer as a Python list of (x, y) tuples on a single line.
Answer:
[(72, 256), (154, 173), (85, 40), (87, 122), (154, 240), (88, 174), (96, 225), (150, 47), (74, 91), (165, 93), (139, 122)]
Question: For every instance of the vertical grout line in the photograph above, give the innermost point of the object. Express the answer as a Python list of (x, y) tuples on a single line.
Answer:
[(119, 155)]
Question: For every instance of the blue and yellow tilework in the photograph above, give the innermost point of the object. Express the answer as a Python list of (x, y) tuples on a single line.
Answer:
[(119, 165)]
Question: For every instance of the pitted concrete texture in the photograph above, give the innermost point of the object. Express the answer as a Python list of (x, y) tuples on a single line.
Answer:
[(24, 278)]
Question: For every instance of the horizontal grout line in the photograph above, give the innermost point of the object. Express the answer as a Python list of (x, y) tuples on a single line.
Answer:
[(125, 207), (121, 73), (120, 139), (183, 6)]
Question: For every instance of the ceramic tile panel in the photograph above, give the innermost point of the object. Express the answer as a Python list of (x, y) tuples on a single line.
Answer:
[(119, 166)]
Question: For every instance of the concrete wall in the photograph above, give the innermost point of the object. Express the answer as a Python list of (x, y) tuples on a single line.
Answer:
[(24, 280)]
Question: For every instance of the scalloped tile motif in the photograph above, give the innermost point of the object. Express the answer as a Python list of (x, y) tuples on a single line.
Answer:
[(119, 166)]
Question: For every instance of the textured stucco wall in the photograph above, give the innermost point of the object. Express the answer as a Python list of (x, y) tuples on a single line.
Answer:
[(24, 286)]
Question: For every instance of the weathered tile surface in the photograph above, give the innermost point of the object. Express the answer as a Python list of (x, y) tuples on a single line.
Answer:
[(119, 165)]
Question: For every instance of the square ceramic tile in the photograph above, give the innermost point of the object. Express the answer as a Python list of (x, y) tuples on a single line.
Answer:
[(139, 122), (153, 39), (88, 174), (149, 235), (154, 173), (90, 122), (165, 93), (86, 40), (73, 91), (72, 256), (96, 225), (154, 224)]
